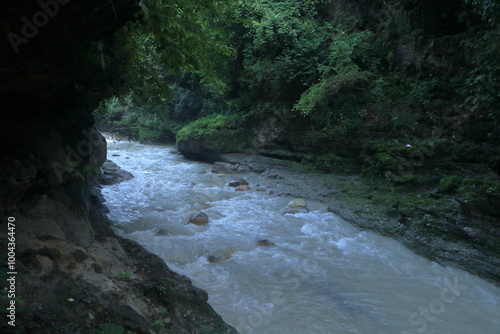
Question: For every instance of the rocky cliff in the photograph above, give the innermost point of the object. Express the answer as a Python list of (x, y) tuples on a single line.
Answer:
[(74, 274)]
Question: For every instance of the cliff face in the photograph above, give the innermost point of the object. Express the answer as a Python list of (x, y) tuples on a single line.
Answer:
[(50, 151), (47, 88), (75, 275)]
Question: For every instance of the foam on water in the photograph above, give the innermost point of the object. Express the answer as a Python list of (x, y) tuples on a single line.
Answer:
[(323, 276)]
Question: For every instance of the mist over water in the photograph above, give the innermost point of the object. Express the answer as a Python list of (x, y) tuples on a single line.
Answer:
[(324, 275)]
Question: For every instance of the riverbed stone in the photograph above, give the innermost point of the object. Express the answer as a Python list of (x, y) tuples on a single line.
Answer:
[(239, 182), (162, 233), (265, 243), (224, 168), (44, 264), (198, 218), (243, 187), (216, 259), (294, 211), (297, 203), (113, 174)]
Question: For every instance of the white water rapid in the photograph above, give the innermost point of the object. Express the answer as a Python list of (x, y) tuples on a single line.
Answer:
[(324, 276)]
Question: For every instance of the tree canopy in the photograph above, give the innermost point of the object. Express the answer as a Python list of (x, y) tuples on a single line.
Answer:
[(338, 66)]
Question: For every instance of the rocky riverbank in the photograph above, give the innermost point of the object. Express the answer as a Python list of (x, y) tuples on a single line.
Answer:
[(432, 224), (105, 285)]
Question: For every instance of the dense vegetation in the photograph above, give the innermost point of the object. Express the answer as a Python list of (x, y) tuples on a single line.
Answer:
[(404, 90)]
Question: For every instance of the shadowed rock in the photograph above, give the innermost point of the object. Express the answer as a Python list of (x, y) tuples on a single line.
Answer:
[(236, 183), (265, 243), (243, 188), (113, 174), (198, 218), (224, 168)]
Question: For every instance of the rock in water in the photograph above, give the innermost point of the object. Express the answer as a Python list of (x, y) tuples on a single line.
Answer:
[(215, 259), (243, 188), (113, 174), (297, 203), (265, 243), (162, 233), (198, 218), (294, 211), (224, 168), (240, 182)]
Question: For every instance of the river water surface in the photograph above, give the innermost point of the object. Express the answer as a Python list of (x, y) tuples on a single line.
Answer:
[(324, 276)]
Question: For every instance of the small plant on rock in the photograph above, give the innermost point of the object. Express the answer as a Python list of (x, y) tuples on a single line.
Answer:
[(125, 276)]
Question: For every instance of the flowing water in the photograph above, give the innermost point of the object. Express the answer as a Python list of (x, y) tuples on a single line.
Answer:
[(324, 275)]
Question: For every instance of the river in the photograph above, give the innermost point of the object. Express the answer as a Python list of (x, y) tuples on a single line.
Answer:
[(324, 276)]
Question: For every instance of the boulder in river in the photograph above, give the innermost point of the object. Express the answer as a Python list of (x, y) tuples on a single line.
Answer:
[(265, 243), (162, 233), (215, 259), (240, 182), (199, 218), (224, 168), (243, 187), (226, 255), (297, 203), (113, 174)]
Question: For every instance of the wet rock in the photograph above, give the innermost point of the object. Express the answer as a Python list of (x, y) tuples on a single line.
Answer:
[(473, 233), (260, 189), (480, 208), (44, 264), (225, 255), (243, 188), (162, 233), (113, 174), (99, 147), (198, 218), (294, 211), (240, 182), (265, 243), (297, 203), (395, 216), (224, 168), (198, 150), (79, 255), (216, 259)]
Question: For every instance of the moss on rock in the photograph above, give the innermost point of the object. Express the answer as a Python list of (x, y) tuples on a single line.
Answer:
[(212, 135)]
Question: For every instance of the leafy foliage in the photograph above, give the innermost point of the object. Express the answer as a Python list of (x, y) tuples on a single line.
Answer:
[(284, 43), (333, 75)]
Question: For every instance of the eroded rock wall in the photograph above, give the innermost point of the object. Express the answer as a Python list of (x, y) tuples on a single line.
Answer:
[(75, 275)]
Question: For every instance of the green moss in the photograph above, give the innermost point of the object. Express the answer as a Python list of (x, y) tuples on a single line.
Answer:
[(479, 188), (125, 276), (450, 183), (334, 163), (379, 157), (222, 133)]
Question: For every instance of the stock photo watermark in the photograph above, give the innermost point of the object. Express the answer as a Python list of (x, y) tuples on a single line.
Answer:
[(420, 320), (31, 26), (291, 280), (11, 271)]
